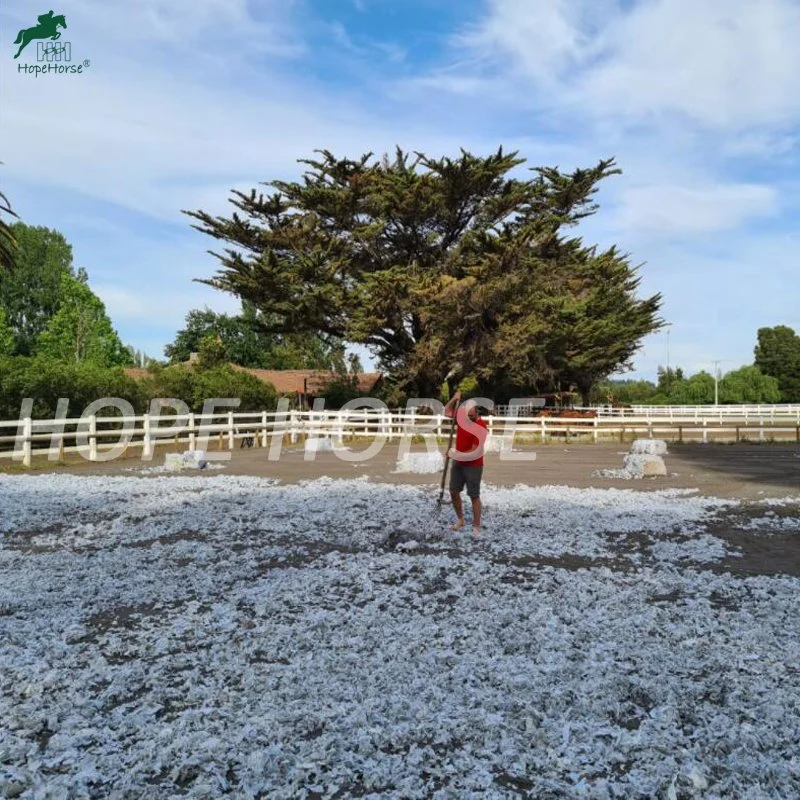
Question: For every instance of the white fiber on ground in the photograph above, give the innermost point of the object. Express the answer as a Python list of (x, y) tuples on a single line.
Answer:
[(420, 463), (173, 462), (207, 636)]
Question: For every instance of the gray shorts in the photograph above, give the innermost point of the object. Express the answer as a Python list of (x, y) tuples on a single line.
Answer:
[(468, 474)]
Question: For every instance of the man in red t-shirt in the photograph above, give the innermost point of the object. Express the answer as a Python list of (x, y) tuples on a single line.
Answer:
[(467, 466)]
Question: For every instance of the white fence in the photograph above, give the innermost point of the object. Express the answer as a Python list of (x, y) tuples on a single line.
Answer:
[(745, 412), (106, 438)]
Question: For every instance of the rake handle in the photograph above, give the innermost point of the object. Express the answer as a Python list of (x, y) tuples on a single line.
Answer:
[(447, 454)]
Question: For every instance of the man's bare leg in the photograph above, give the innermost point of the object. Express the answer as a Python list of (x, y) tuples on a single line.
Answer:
[(458, 508), (476, 514)]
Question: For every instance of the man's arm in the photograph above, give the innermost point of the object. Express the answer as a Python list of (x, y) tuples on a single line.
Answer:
[(452, 405)]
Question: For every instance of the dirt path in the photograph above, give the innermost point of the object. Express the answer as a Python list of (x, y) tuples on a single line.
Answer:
[(743, 471)]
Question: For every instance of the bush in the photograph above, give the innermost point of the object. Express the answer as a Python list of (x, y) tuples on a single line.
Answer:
[(195, 386), (340, 391), (46, 380)]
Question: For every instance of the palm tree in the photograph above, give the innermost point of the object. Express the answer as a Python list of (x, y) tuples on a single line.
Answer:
[(8, 244)]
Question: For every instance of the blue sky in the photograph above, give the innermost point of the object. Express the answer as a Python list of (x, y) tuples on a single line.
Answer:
[(185, 99)]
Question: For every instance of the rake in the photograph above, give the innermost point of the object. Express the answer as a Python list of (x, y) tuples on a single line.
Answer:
[(450, 374)]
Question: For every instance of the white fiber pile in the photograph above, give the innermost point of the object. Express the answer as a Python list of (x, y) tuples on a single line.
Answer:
[(420, 463), (651, 447), (191, 459), (319, 446), (643, 461)]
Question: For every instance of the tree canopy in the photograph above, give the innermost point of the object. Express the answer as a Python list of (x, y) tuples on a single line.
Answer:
[(80, 329), (778, 354), (746, 384), (429, 262), (248, 342), (30, 293), (6, 335)]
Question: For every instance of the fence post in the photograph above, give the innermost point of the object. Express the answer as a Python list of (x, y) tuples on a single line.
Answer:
[(761, 429), (650, 428), (147, 445), (231, 437), (594, 431), (543, 432), (93, 437), (680, 433), (192, 436), (705, 433), (27, 445), (264, 428)]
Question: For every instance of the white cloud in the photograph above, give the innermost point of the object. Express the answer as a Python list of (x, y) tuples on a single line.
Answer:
[(730, 65), (670, 209)]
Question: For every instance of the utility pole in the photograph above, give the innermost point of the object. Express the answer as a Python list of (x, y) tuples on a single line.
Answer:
[(716, 381), (668, 381)]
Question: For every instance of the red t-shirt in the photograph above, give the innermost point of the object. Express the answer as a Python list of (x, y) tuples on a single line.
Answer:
[(467, 441)]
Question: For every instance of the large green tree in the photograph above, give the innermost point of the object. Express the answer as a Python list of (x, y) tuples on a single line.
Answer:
[(778, 354), (31, 293), (80, 330), (248, 342), (429, 262)]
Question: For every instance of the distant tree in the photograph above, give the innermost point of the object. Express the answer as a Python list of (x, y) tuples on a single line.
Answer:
[(211, 352), (31, 292), (778, 354), (246, 342), (748, 385), (669, 379), (139, 358), (80, 330), (629, 392), (6, 335), (354, 364), (694, 391)]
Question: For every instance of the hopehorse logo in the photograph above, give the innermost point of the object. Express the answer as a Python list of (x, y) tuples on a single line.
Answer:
[(46, 29)]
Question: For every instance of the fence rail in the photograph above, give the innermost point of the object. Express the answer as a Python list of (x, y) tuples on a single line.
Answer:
[(104, 438)]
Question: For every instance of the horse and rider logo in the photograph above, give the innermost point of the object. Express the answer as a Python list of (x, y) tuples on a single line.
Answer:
[(46, 29), (50, 48)]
